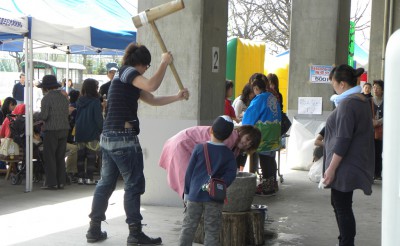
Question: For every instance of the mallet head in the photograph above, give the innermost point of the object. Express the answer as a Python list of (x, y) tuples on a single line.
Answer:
[(157, 12)]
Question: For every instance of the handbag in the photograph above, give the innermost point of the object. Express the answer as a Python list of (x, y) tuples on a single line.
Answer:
[(216, 187), (8, 148)]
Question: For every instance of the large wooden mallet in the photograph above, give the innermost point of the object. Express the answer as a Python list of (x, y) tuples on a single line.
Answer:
[(149, 16)]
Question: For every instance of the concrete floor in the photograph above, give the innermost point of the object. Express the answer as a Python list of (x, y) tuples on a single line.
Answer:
[(299, 214)]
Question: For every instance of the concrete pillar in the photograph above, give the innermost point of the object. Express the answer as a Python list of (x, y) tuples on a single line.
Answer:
[(191, 34), (318, 36), (377, 41)]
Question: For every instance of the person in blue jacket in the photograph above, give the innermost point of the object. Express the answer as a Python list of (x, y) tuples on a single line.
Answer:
[(88, 127), (265, 113), (197, 200)]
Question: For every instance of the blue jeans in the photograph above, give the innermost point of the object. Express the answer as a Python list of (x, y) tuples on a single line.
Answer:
[(121, 153)]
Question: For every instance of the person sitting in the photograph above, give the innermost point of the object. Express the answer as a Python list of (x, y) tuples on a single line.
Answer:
[(88, 124), (5, 131), (7, 107)]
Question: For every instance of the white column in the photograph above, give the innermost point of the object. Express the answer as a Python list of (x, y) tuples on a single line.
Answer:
[(391, 147)]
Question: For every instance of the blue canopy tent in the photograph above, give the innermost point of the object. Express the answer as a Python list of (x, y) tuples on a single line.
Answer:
[(86, 26), (70, 26)]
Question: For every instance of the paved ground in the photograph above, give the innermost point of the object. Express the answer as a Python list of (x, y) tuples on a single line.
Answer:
[(299, 214)]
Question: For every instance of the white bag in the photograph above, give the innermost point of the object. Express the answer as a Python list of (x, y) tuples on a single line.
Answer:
[(8, 147), (315, 172), (300, 147)]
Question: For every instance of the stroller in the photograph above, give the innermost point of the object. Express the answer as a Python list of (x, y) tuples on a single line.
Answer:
[(17, 129)]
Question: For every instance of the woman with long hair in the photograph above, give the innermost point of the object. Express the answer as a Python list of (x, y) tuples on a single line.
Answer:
[(7, 107)]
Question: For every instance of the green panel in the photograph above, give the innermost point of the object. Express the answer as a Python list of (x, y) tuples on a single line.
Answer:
[(231, 59), (350, 58)]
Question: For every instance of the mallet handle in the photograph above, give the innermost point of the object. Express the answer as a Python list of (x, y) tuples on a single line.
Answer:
[(164, 49)]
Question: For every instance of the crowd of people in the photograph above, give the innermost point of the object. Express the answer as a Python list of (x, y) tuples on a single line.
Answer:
[(350, 143)]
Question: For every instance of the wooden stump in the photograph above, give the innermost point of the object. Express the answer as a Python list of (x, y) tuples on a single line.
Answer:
[(233, 229), (255, 227), (238, 229)]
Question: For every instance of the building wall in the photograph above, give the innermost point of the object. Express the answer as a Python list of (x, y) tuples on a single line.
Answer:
[(325, 23), (377, 42)]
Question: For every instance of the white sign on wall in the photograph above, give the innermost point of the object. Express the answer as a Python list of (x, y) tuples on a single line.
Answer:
[(310, 105), (215, 59)]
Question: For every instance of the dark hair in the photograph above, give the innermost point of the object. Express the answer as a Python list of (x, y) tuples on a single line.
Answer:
[(260, 83), (261, 77), (89, 88), (379, 82), (21, 75), (254, 134), (228, 85), (73, 96), (346, 73), (367, 84), (245, 97), (5, 108), (273, 79), (136, 54)]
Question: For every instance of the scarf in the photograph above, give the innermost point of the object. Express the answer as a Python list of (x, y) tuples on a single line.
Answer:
[(337, 99)]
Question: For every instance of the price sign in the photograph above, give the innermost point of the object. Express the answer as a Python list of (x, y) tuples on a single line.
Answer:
[(320, 74)]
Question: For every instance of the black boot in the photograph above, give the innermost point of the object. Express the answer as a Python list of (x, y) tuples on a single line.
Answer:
[(137, 237), (94, 234)]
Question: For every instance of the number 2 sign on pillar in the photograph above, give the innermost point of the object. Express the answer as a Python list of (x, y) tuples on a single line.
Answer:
[(215, 59)]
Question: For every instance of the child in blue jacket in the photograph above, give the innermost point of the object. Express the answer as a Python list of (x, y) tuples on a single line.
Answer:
[(198, 201)]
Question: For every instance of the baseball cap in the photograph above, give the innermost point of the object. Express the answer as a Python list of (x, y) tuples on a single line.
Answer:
[(112, 69)]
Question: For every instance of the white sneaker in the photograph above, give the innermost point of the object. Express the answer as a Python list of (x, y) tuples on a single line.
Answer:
[(90, 182)]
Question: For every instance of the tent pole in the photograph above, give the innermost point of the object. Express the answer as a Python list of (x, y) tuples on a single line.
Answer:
[(67, 71), (28, 112)]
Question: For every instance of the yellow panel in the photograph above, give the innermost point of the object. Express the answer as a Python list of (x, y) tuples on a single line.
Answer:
[(283, 74), (249, 60)]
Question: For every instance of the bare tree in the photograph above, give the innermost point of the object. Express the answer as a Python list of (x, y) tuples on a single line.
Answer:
[(359, 16), (362, 19), (19, 57), (269, 21), (263, 20)]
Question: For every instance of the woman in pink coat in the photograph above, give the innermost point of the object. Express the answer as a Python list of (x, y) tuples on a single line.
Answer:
[(177, 150)]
